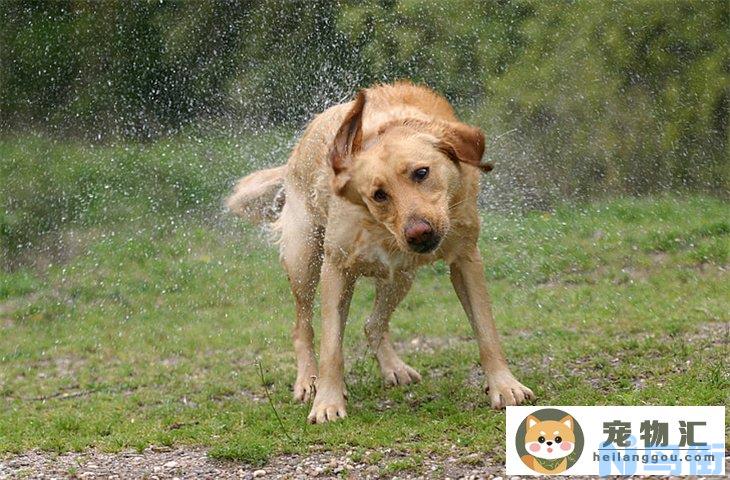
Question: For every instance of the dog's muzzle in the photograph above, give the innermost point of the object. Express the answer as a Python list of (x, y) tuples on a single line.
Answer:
[(421, 237)]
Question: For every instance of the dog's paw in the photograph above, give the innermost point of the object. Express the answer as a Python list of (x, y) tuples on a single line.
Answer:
[(328, 406), (400, 374), (304, 388), (504, 390)]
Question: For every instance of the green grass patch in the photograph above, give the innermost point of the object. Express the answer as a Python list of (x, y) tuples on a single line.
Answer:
[(151, 333), (53, 186)]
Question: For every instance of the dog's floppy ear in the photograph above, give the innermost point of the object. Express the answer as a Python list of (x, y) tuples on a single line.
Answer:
[(463, 143), (347, 142)]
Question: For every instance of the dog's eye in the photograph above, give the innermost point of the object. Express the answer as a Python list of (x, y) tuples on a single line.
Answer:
[(541, 439), (380, 195), (420, 174), (558, 439)]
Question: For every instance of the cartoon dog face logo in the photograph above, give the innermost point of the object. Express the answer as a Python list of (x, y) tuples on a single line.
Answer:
[(549, 441)]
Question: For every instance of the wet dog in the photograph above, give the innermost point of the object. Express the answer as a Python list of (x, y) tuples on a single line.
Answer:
[(377, 187)]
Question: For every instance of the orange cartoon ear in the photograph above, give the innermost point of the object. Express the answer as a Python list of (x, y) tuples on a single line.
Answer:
[(531, 421), (567, 421)]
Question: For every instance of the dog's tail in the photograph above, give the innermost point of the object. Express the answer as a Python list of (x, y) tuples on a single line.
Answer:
[(259, 197)]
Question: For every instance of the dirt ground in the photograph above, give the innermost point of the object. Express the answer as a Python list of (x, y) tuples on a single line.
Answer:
[(185, 463), (188, 463)]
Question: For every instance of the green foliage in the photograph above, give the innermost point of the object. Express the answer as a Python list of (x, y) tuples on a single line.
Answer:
[(17, 284), (294, 64), (452, 46), (249, 450), (622, 96), (137, 70), (110, 67), (600, 97)]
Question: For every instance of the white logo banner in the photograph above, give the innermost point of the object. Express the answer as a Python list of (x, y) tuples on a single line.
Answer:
[(615, 440)]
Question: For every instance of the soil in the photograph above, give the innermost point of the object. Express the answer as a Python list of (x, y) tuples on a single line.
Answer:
[(188, 463)]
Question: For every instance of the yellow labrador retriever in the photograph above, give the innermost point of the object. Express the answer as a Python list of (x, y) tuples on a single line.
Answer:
[(377, 187)]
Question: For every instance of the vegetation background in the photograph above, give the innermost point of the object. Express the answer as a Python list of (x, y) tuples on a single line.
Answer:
[(605, 97)]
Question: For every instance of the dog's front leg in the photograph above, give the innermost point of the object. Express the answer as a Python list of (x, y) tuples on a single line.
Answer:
[(329, 401), (388, 294), (467, 276)]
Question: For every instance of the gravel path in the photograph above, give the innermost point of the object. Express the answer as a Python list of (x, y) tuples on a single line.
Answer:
[(184, 463), (188, 463)]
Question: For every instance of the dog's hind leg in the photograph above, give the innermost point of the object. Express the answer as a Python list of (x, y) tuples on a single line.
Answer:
[(388, 294), (301, 255)]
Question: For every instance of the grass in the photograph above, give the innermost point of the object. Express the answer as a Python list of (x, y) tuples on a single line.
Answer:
[(151, 330), (60, 186)]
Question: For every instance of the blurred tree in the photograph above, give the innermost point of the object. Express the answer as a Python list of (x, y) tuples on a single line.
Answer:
[(622, 96), (452, 46), (627, 96), (115, 67), (295, 62)]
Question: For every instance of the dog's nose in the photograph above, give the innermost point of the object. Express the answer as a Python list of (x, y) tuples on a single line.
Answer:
[(549, 443), (420, 236), (416, 232)]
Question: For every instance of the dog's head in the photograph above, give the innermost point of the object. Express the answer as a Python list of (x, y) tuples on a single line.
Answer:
[(550, 439), (408, 175)]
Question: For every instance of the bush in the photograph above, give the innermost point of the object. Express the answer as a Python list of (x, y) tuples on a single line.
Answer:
[(600, 97), (621, 97)]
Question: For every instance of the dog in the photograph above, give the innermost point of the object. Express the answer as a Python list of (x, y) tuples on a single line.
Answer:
[(549, 444), (377, 187)]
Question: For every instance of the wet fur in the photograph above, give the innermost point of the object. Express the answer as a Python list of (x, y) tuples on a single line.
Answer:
[(331, 231)]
